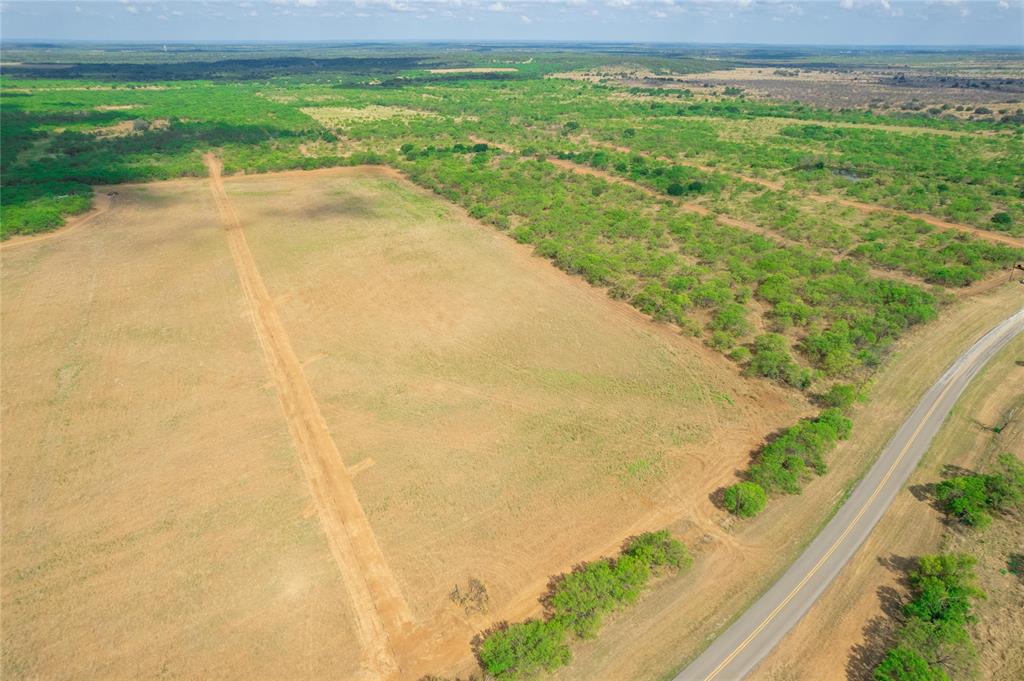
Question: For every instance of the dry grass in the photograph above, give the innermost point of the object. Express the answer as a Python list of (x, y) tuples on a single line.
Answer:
[(505, 421), (153, 521)]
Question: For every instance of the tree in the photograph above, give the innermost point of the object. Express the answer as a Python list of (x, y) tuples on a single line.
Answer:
[(745, 499), (519, 651), (904, 664), (840, 396)]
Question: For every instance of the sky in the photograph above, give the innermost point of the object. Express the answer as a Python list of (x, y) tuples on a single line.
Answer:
[(792, 22)]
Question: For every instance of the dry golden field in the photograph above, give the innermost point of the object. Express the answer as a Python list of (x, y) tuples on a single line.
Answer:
[(236, 412)]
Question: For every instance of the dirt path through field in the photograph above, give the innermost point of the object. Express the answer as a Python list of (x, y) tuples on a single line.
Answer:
[(380, 611), (775, 185), (721, 219)]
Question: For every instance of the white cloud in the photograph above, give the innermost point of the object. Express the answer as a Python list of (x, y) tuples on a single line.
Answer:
[(658, 14), (131, 8), (525, 19), (497, 7)]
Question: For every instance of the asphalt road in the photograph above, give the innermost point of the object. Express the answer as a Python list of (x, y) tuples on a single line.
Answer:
[(750, 638)]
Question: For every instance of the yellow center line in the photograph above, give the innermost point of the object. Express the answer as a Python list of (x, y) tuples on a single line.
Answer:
[(849, 528)]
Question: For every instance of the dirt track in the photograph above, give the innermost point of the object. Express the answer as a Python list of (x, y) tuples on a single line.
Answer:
[(380, 610), (721, 219), (776, 185)]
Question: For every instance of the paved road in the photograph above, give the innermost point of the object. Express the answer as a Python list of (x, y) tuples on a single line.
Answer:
[(737, 651)]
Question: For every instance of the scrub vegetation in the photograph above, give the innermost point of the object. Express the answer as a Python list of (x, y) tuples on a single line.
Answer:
[(800, 242), (575, 604)]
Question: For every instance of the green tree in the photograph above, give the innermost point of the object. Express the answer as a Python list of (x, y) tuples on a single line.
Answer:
[(745, 499), (519, 651), (905, 664)]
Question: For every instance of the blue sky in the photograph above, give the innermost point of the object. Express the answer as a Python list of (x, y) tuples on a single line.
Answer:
[(822, 22)]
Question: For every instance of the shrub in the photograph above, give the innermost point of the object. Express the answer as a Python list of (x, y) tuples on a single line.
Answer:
[(519, 651), (772, 360), (582, 597), (971, 498), (780, 465), (934, 638), (1002, 219), (745, 499), (905, 664), (576, 602), (840, 396), (658, 549)]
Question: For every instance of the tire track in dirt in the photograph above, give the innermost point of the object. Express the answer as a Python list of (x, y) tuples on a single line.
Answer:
[(775, 185), (382, 616)]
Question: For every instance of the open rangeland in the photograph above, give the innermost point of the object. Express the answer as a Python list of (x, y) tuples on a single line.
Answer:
[(260, 427)]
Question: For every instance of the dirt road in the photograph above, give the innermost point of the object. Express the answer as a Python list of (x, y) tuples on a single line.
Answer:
[(379, 609), (776, 185), (698, 209), (743, 645)]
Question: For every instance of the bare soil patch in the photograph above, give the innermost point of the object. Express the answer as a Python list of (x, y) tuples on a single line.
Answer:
[(518, 420), (153, 504), (506, 421)]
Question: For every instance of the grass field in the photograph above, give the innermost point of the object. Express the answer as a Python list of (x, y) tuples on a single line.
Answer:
[(498, 420)]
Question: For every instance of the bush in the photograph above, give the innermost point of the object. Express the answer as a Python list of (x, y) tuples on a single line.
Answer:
[(772, 360), (519, 651), (971, 498), (905, 664), (781, 464), (1002, 219), (745, 499), (840, 396), (582, 597), (658, 549), (934, 638), (576, 602)]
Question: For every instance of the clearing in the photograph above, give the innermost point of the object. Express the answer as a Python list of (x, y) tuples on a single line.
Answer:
[(182, 371)]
